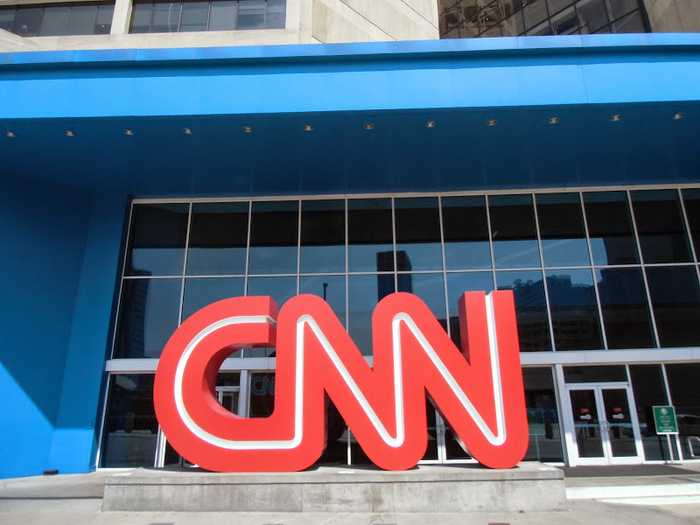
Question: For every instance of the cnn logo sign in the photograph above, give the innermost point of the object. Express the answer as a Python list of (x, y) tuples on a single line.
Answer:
[(479, 391)]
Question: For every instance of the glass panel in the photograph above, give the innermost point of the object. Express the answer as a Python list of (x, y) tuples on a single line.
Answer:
[(682, 381), (329, 287), (82, 20), (610, 228), (649, 390), (203, 292), (632, 23), (166, 17), (622, 7), (103, 24), (222, 16), (27, 21), (54, 21), (148, 316), (691, 200), (557, 5), (675, 299), (542, 417), (466, 232), (457, 284), (251, 14), (281, 289), (370, 236), (561, 230), (157, 242), (574, 310), (586, 426), (593, 14), (430, 288), (418, 244), (141, 16), (662, 234), (218, 235), (276, 14), (530, 308), (194, 16), (513, 231), (7, 19), (273, 237), (262, 394), (594, 374), (364, 292), (535, 12), (322, 236), (130, 427), (617, 414), (626, 315)]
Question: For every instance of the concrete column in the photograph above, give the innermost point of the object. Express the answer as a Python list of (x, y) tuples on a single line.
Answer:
[(122, 17)]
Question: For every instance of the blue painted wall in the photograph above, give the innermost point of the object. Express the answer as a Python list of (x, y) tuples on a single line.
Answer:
[(51, 311)]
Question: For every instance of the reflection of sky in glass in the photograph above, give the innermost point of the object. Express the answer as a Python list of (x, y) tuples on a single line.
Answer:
[(281, 289), (322, 259), (334, 291), (430, 288), (216, 261), (157, 261), (565, 252), (419, 256), (363, 295), (467, 255), (530, 307), (202, 292), (273, 259), (516, 254)]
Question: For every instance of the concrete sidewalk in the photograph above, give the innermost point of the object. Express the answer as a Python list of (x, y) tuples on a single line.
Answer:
[(651, 496)]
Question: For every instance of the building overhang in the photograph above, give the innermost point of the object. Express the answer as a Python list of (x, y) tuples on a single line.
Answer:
[(450, 115)]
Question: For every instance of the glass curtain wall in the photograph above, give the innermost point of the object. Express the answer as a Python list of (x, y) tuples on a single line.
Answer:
[(590, 270)]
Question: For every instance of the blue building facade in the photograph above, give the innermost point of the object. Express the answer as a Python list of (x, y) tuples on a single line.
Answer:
[(122, 168)]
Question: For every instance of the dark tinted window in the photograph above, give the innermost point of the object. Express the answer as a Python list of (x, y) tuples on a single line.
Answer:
[(610, 228), (662, 233), (370, 236), (273, 237), (465, 227), (675, 299), (322, 236), (561, 230), (530, 307), (513, 231), (418, 233)]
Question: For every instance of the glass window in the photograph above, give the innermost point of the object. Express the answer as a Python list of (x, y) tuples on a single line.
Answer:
[(662, 234), (610, 228), (157, 242), (331, 288), (103, 24), (675, 299), (28, 21), (218, 238), (632, 23), (626, 315), (364, 292), (535, 12), (530, 308), (194, 16), (593, 14), (430, 288), (281, 289), (418, 234), (561, 230), (513, 231), (322, 236), (222, 16), (130, 428), (166, 17), (682, 381), (276, 14), (7, 19), (273, 237), (457, 284), (141, 16), (82, 20), (201, 292), (148, 316), (542, 416), (370, 236), (251, 14), (54, 21), (466, 232), (620, 8), (574, 310), (649, 390), (691, 200), (595, 374)]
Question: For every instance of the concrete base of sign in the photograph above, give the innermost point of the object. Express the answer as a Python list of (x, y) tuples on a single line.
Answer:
[(428, 488)]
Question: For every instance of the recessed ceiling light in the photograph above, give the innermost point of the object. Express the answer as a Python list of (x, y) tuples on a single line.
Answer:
[(616, 118), (69, 133), (188, 131), (128, 132), (678, 116), (308, 127), (491, 122), (10, 134), (554, 120), (369, 126), (430, 124), (248, 129)]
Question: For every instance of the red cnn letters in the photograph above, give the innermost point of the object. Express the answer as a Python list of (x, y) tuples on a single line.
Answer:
[(479, 391)]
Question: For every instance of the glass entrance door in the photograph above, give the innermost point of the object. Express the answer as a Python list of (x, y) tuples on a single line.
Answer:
[(605, 429)]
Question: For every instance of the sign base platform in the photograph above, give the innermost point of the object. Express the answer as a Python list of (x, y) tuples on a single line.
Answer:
[(531, 486)]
